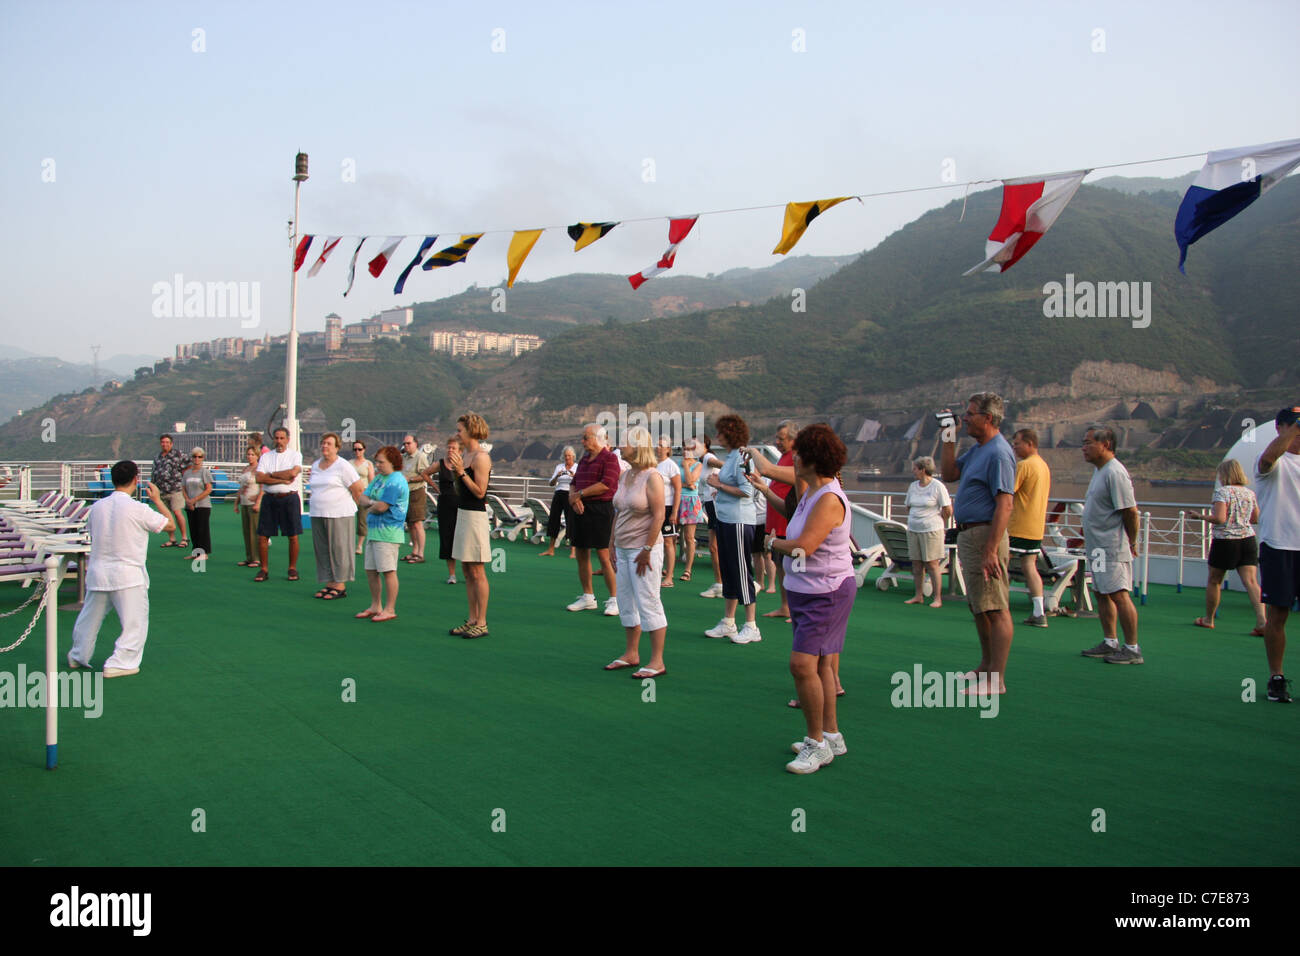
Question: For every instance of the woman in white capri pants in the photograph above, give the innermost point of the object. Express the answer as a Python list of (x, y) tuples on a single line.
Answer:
[(638, 559)]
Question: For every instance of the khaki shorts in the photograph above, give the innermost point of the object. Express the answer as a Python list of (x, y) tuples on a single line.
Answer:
[(416, 505), (1117, 577), (175, 500), (992, 595), (381, 556), (925, 546)]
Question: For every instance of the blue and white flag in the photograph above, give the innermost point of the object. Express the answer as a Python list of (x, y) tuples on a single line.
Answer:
[(1230, 180), (419, 256)]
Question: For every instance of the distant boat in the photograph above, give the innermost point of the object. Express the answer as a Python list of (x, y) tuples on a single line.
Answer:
[(1182, 482), (866, 474)]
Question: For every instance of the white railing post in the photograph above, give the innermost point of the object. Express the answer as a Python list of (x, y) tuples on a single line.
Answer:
[(1182, 526), (1144, 533), (65, 479), (51, 601)]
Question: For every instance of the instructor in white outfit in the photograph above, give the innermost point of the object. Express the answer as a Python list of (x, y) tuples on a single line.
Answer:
[(119, 529)]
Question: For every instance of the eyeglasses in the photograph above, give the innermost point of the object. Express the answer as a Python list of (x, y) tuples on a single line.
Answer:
[(197, 457), (357, 448)]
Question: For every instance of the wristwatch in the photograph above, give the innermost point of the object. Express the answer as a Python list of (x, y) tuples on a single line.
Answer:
[(647, 547)]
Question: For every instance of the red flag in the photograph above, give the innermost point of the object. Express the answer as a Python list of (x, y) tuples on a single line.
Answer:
[(301, 255), (1029, 207), (378, 263), (678, 229)]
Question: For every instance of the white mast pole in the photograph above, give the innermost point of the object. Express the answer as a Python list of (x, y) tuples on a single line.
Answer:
[(291, 357)]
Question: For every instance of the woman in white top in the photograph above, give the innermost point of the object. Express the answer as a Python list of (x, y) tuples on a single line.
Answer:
[(335, 486), (247, 504), (197, 487), (709, 465), (928, 509), (1234, 546), (634, 541), (672, 476), (561, 481)]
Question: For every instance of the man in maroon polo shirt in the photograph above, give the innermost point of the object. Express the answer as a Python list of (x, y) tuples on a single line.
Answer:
[(591, 497)]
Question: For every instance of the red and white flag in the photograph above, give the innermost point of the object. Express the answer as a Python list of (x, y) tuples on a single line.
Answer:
[(678, 229), (378, 263), (1029, 207), (330, 243), (300, 254)]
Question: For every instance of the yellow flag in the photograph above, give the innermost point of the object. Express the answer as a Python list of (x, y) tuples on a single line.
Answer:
[(798, 216), (520, 246)]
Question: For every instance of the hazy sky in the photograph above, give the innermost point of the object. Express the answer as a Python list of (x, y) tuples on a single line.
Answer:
[(142, 140)]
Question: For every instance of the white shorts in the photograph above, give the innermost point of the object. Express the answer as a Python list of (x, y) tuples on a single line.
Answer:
[(1116, 577), (639, 603), (381, 556)]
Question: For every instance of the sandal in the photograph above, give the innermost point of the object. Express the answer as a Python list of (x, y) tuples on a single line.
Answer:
[(262, 576), (686, 576), (334, 594), (183, 543), (293, 574), (322, 592), (1257, 632), (169, 544)]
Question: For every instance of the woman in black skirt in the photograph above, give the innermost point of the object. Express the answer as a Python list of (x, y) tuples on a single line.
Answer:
[(448, 505), (562, 479)]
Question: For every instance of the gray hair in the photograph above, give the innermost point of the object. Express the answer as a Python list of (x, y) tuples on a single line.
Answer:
[(602, 435), (568, 450), (925, 463), (198, 450), (1102, 435), (990, 404), (790, 425)]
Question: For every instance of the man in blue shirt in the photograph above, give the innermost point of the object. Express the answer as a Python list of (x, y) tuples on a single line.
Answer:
[(987, 472)]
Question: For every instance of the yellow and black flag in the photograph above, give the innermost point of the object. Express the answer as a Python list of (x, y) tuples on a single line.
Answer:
[(452, 254), (798, 217), (584, 234)]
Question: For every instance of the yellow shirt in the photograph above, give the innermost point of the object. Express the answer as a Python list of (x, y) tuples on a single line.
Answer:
[(1029, 502)]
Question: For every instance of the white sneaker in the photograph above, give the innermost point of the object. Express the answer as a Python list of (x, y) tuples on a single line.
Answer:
[(585, 602), (611, 607), (722, 629), (811, 757), (836, 744), (452, 579), (713, 591), (749, 634)]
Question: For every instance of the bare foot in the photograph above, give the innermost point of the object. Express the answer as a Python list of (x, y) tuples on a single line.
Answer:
[(546, 554), (915, 600), (936, 604), (383, 616), (368, 612), (784, 612)]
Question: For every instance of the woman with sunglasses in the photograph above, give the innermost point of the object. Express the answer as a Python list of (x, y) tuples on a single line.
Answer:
[(196, 484)]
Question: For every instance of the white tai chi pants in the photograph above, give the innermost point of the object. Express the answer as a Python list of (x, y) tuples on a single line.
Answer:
[(132, 606)]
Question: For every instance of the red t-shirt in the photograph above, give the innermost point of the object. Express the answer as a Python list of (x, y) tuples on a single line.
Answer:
[(775, 523), (595, 469)]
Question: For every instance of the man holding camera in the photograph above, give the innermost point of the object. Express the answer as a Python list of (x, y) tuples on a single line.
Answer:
[(1277, 476), (987, 472)]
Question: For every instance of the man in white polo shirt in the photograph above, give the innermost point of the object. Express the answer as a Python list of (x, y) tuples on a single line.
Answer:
[(119, 529), (1277, 478), (277, 473)]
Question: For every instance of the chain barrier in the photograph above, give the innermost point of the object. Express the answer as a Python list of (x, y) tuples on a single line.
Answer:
[(40, 591)]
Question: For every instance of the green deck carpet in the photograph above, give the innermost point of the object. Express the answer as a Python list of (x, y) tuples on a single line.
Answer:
[(238, 711)]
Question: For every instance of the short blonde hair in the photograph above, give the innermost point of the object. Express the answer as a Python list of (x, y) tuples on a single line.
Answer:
[(642, 448), (1230, 472), (475, 426)]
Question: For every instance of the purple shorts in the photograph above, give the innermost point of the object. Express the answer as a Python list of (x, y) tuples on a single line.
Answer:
[(820, 620)]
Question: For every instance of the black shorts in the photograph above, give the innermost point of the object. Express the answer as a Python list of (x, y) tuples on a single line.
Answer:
[(756, 539), (591, 528), (1025, 545), (280, 515), (1229, 554), (1279, 576), (710, 516)]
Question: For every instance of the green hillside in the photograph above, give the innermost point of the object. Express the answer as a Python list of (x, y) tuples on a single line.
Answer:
[(903, 314)]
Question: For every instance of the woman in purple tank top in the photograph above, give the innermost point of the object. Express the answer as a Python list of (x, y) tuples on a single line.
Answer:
[(821, 586)]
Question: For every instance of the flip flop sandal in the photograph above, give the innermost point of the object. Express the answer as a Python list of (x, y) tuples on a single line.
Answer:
[(293, 574)]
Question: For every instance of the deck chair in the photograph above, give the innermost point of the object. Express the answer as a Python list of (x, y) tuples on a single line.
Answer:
[(1057, 568), (541, 515), (507, 522), (893, 537)]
